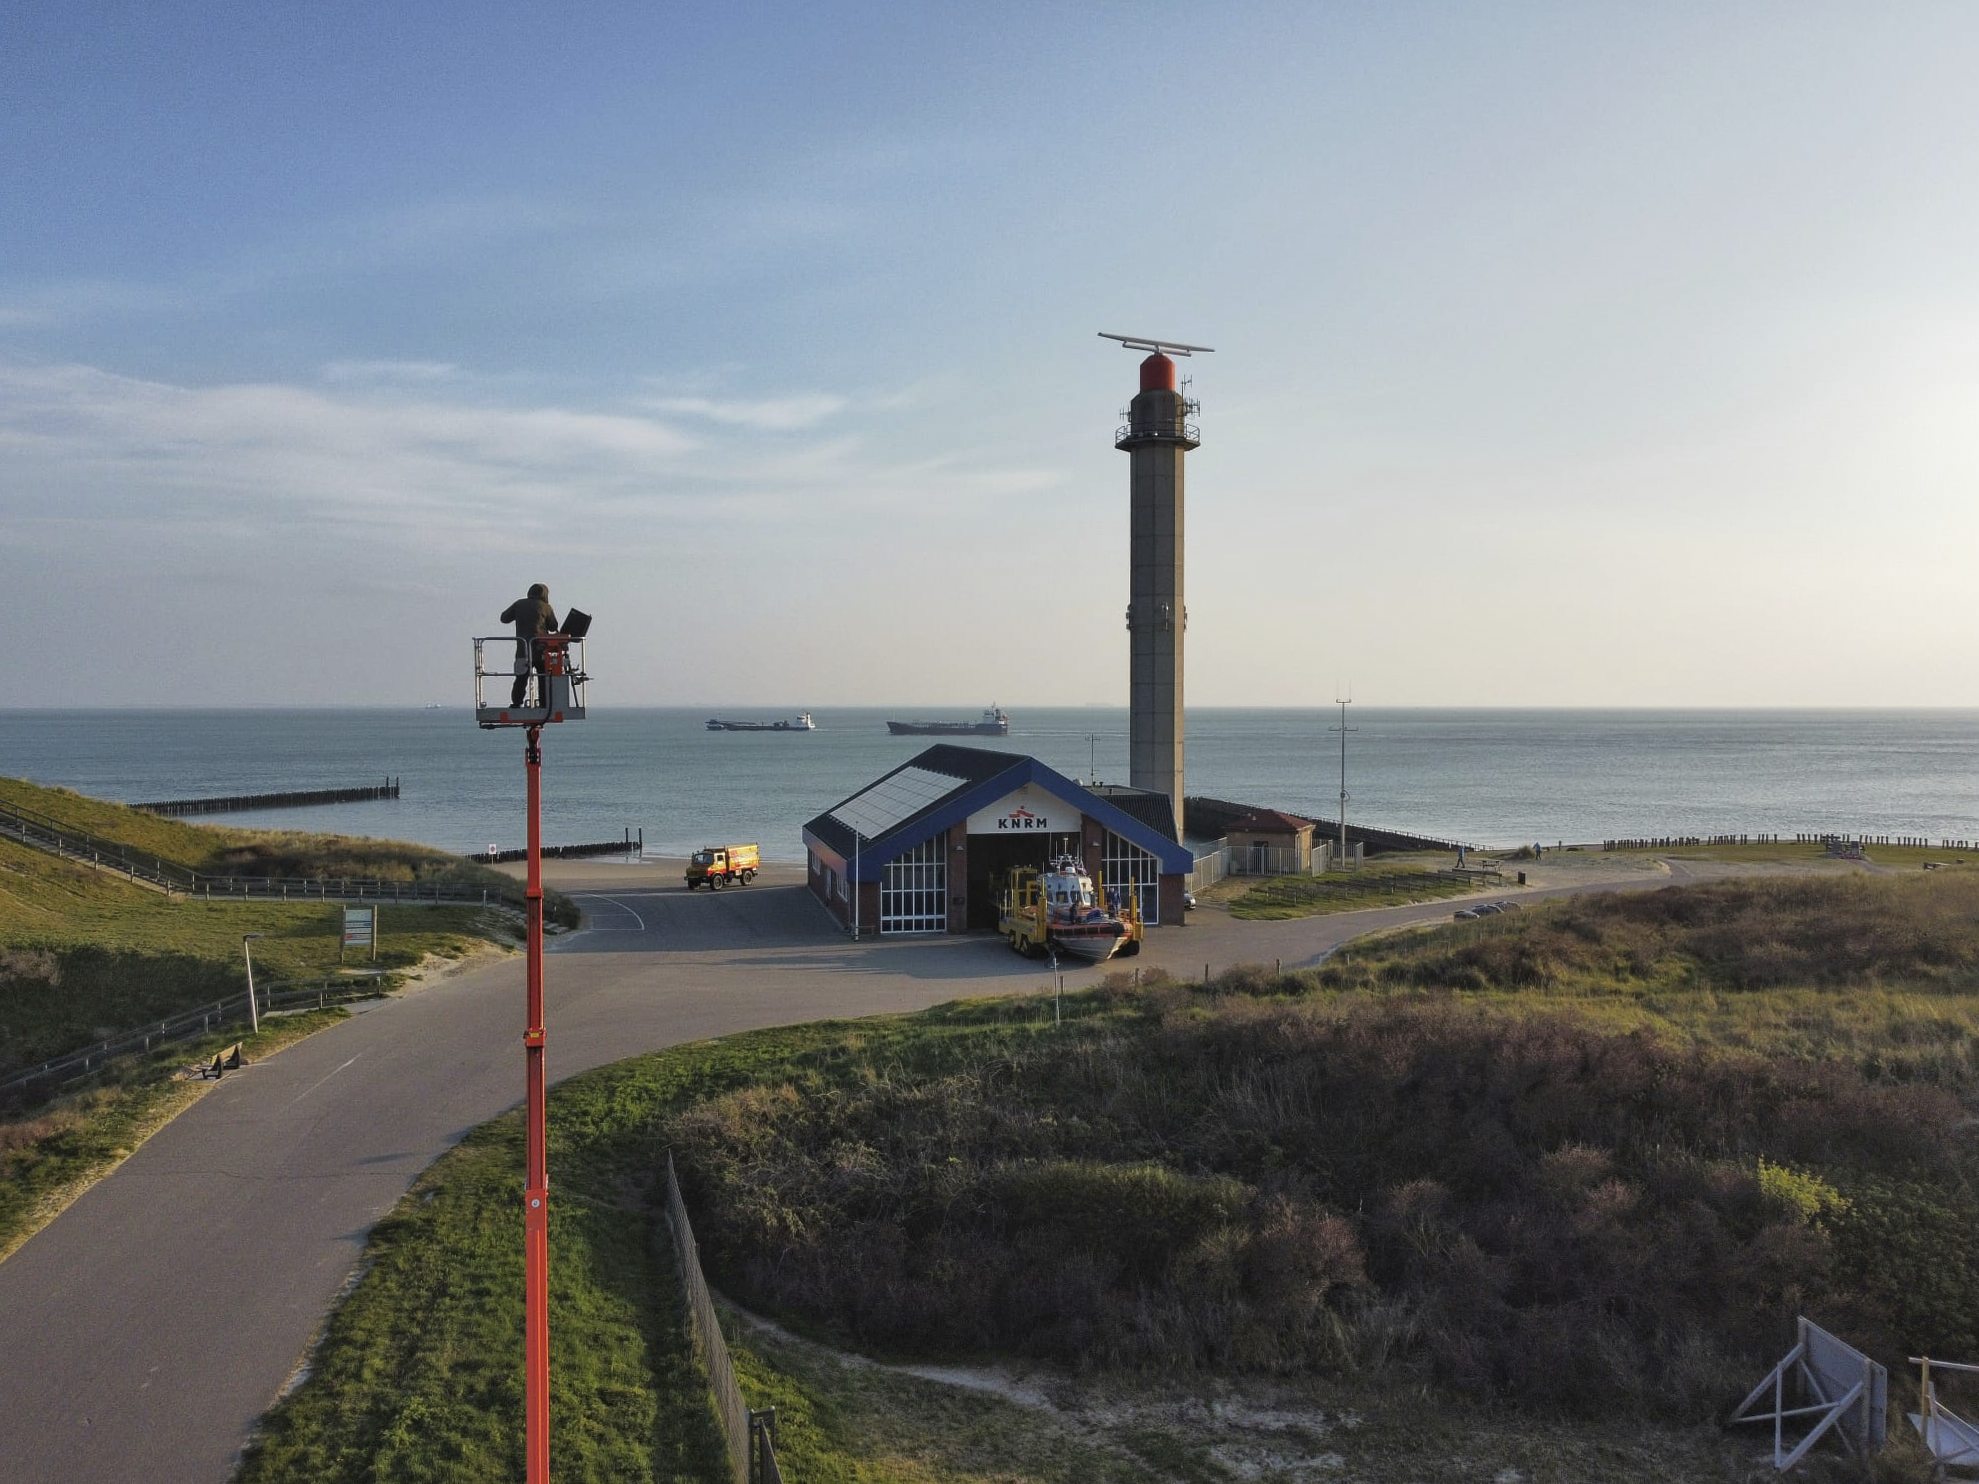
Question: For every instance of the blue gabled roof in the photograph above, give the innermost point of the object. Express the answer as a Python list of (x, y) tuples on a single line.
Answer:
[(982, 776)]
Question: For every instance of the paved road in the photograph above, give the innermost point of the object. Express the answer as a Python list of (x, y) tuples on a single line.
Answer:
[(144, 1331)]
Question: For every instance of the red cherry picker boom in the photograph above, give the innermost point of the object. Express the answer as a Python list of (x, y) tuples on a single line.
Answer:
[(549, 671)]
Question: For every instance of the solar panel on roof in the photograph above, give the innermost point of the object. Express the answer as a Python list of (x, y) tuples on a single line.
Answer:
[(893, 799)]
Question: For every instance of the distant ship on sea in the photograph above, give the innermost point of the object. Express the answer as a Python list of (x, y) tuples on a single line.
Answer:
[(803, 723), (994, 724)]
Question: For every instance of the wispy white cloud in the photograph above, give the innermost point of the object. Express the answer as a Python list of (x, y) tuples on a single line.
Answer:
[(411, 236), (372, 372), (66, 300), (776, 414), (416, 454), (119, 453), (445, 224)]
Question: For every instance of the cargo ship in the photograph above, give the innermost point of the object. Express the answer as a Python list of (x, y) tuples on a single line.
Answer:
[(803, 723), (993, 724)]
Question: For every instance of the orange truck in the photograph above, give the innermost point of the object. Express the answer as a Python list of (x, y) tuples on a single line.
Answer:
[(720, 864)]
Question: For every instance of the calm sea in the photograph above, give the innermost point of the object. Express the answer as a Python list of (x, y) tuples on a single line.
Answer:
[(1494, 777)]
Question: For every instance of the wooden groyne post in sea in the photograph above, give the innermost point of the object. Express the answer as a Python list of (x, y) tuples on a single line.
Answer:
[(235, 803), (631, 845)]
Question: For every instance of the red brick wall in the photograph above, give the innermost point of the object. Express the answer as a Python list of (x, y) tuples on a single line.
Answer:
[(958, 879), (1092, 847), (818, 880)]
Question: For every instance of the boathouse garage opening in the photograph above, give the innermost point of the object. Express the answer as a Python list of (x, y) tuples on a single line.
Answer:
[(992, 858), (928, 847)]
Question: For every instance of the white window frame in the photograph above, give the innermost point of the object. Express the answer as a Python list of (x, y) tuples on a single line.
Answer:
[(1126, 864), (914, 889)]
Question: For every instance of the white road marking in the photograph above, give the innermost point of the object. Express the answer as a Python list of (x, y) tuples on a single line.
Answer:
[(594, 896), (320, 1081)]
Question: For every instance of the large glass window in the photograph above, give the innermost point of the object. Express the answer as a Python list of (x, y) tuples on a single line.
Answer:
[(1128, 865), (914, 889)]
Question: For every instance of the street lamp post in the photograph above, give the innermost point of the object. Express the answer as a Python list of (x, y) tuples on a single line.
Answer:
[(1343, 729), (253, 1013)]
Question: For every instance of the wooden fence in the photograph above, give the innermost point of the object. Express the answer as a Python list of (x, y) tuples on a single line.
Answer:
[(750, 1436)]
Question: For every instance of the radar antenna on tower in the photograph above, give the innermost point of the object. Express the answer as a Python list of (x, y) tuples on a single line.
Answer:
[(1157, 347)]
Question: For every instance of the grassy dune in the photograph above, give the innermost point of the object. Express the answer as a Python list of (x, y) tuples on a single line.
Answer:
[(1540, 1193), (1801, 853), (86, 955), (220, 850), (1878, 972), (1274, 898), (419, 1373)]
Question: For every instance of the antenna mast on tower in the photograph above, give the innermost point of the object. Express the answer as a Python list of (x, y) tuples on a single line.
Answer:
[(1343, 729)]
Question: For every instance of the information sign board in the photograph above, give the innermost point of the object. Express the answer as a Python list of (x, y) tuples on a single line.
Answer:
[(361, 927)]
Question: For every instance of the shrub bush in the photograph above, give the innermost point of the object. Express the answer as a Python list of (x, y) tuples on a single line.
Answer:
[(1526, 1207), (1731, 935)]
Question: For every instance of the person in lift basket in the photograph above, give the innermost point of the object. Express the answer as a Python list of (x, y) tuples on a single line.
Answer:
[(533, 617)]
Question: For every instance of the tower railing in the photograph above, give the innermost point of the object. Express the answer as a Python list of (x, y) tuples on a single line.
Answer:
[(1165, 430)]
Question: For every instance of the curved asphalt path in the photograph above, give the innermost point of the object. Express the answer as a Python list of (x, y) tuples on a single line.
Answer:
[(144, 1331)]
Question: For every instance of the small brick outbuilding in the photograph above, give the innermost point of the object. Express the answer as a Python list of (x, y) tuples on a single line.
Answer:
[(1270, 843)]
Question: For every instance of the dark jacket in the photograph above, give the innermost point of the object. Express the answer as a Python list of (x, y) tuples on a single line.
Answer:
[(532, 617)]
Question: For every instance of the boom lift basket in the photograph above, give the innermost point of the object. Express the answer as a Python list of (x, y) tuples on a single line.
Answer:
[(551, 669)]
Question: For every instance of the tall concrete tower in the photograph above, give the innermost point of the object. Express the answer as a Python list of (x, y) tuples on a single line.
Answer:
[(1157, 437)]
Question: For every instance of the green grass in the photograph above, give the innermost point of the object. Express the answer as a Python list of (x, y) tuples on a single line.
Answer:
[(1881, 973), (418, 1376), (843, 1422), (439, 1396), (1274, 898), (220, 850), (1659, 1124), (84, 955), (846, 1421), (1789, 852), (169, 840), (49, 1157)]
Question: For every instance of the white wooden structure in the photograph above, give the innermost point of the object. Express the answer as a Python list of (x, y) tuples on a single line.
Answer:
[(1954, 1442), (1826, 1385)]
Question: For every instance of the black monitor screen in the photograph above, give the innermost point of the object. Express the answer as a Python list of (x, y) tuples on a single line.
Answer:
[(576, 623)]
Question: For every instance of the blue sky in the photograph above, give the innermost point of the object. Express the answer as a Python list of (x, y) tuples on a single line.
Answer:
[(1581, 355)]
